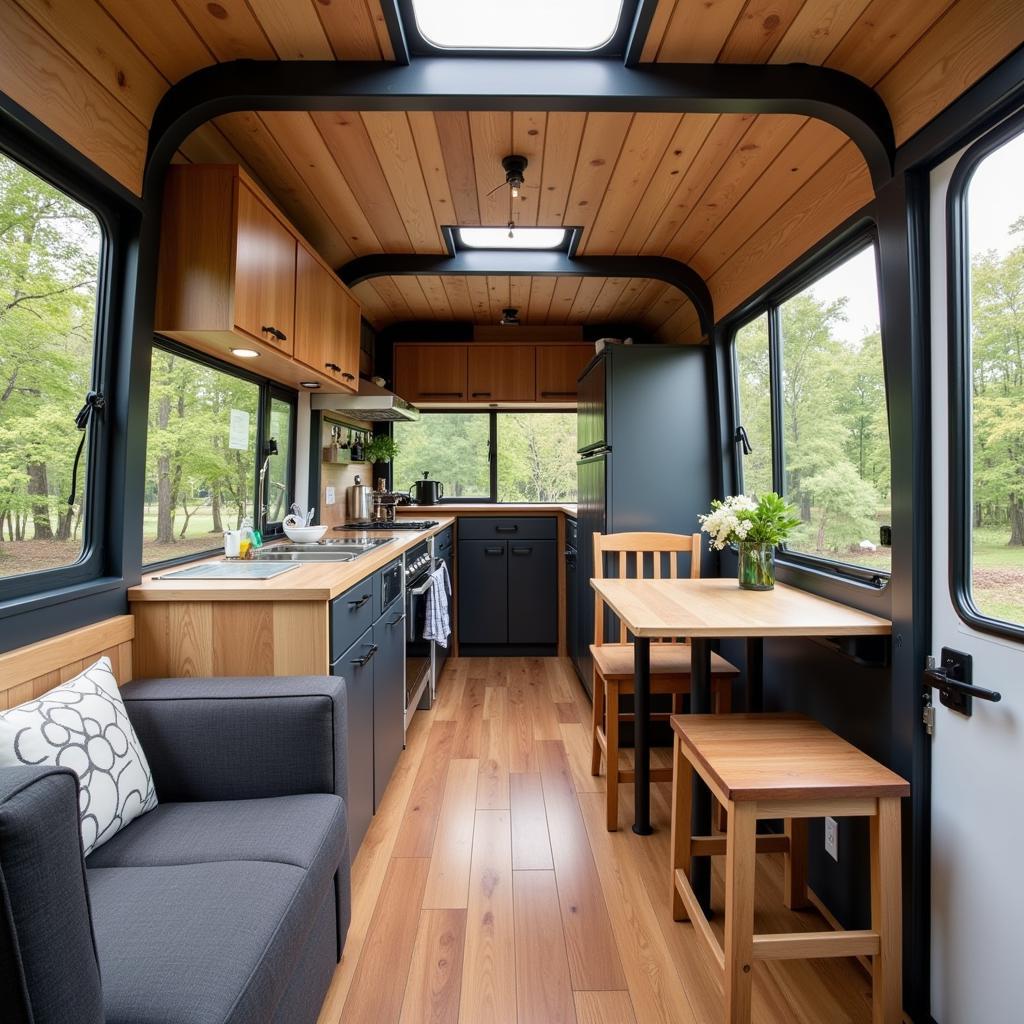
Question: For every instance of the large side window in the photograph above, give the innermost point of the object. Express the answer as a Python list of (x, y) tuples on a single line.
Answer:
[(992, 347), (211, 430), (50, 264), (451, 446), (812, 364)]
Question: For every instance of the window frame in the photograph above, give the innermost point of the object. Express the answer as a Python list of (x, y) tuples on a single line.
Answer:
[(959, 354), (93, 563), (420, 46), (492, 452), (268, 390), (805, 275)]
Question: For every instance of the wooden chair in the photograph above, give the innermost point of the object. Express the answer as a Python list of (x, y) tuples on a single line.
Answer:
[(670, 659), (784, 766)]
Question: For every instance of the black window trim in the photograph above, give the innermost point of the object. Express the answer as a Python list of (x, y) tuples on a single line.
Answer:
[(806, 272), (95, 560), (492, 453), (420, 46), (268, 389), (958, 281)]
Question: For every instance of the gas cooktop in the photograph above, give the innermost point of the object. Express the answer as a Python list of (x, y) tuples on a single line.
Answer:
[(397, 524)]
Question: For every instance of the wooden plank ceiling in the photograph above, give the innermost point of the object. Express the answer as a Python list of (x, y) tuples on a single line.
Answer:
[(737, 197)]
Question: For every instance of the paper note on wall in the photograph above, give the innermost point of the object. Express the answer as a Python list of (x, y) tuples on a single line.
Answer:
[(238, 430)]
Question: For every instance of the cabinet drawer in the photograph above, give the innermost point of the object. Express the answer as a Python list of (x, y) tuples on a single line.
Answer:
[(351, 615), (507, 528)]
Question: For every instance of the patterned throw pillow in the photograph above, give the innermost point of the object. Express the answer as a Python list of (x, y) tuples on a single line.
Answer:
[(82, 725)]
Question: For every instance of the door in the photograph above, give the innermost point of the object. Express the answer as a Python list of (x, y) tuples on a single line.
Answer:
[(264, 274), (977, 823), (532, 592), (590, 432), (501, 373), (483, 592), (431, 373), (591, 507), (558, 367), (388, 696)]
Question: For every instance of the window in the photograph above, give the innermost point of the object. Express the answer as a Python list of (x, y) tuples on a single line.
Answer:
[(51, 253), (206, 424), (512, 238), (491, 456), (813, 363), (992, 531), (520, 25)]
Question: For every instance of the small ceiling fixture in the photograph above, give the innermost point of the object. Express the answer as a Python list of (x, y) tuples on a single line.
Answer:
[(311, 384), (510, 317), (245, 353), (515, 173)]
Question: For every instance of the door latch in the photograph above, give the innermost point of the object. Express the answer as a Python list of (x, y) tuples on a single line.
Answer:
[(952, 678)]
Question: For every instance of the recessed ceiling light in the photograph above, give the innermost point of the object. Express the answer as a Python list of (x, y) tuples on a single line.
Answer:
[(511, 237), (523, 25), (245, 353), (311, 384)]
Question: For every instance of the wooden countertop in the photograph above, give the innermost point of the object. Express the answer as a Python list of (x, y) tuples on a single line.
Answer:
[(321, 581), (486, 508)]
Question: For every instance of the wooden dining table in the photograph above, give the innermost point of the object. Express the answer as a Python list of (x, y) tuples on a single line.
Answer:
[(703, 610)]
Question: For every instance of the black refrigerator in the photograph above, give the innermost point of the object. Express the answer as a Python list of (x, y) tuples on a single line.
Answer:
[(647, 455)]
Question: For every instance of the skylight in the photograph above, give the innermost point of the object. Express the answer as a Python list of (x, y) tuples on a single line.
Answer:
[(522, 238), (517, 24)]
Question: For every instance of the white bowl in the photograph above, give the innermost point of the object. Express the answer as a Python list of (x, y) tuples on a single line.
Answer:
[(305, 534)]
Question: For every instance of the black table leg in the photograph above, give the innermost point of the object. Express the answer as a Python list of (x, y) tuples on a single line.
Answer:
[(641, 735), (700, 820), (755, 674)]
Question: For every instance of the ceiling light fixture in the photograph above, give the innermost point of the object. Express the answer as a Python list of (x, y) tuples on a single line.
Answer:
[(511, 236), (510, 317), (311, 384), (245, 353)]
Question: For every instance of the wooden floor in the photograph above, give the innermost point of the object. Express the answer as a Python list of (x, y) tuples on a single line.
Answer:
[(487, 890)]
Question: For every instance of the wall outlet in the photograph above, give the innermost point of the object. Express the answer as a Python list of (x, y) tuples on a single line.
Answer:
[(329, 496), (832, 838)]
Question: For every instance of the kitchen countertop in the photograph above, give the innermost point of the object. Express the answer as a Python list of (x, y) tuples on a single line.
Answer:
[(489, 508), (320, 581)]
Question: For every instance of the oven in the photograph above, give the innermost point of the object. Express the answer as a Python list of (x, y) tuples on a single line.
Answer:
[(419, 653)]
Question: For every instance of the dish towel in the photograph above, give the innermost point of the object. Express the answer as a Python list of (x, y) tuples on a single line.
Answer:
[(437, 623)]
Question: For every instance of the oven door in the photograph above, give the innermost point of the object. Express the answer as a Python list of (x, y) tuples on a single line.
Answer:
[(418, 652)]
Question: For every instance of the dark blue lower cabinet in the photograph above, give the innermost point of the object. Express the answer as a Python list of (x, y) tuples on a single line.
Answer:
[(356, 667), (388, 696), (532, 592), (483, 592)]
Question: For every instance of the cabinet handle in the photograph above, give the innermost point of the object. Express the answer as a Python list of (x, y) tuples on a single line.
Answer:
[(494, 551), (275, 333), (360, 602), (332, 366), (442, 394), (367, 657), (557, 394), (521, 551), (506, 529), (396, 620), (348, 376), (481, 394)]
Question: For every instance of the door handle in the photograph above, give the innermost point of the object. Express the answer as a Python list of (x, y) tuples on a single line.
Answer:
[(359, 602), (275, 333), (494, 551), (481, 394), (367, 657), (441, 394), (952, 678), (396, 620), (521, 551), (558, 394), (348, 376), (506, 529)]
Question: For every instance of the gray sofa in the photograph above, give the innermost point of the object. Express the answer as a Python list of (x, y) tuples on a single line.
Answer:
[(227, 904)]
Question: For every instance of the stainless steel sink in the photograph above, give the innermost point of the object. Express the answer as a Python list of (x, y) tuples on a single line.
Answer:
[(325, 551)]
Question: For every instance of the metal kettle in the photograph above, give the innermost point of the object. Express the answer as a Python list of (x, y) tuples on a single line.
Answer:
[(359, 501), (427, 491)]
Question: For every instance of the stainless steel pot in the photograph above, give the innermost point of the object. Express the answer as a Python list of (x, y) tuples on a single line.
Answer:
[(359, 501), (427, 491)]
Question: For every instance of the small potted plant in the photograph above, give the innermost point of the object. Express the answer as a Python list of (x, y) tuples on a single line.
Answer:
[(757, 526), (381, 448)]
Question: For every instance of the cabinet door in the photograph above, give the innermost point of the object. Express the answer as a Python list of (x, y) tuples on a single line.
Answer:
[(388, 696), (431, 373), (343, 348), (483, 592), (355, 666), (314, 311), (264, 274), (501, 373), (558, 366), (532, 592)]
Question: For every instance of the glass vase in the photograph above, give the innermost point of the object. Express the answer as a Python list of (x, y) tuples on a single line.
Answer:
[(757, 566)]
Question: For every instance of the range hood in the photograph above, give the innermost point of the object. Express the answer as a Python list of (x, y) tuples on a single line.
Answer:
[(373, 402)]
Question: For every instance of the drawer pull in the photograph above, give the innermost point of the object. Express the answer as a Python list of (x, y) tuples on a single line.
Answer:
[(522, 551), (506, 529), (558, 394), (332, 366), (396, 620), (348, 376), (275, 333), (494, 551), (359, 602), (441, 394), (481, 394), (367, 657)]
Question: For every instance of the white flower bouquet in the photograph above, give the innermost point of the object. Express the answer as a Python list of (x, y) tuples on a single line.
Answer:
[(768, 519)]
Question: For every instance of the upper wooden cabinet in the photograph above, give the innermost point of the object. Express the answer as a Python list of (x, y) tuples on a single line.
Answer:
[(501, 373), (558, 366), (234, 273), (326, 321), (431, 372)]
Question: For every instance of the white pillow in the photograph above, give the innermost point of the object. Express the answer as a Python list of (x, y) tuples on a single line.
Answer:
[(82, 725)]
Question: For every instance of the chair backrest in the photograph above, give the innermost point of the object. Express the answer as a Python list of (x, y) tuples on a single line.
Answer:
[(633, 550)]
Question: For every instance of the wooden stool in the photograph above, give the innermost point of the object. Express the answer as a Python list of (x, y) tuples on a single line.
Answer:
[(613, 662), (785, 766)]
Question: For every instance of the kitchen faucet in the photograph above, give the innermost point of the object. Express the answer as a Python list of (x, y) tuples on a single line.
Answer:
[(269, 451)]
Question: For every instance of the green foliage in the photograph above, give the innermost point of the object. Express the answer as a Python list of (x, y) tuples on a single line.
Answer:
[(381, 448), (772, 521)]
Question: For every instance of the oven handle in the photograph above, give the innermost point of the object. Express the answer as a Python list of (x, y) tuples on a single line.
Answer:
[(420, 591)]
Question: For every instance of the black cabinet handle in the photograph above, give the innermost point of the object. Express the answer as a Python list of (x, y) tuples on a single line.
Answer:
[(367, 657), (481, 394), (275, 333), (522, 551), (396, 620), (441, 394), (332, 366), (494, 551), (506, 529), (359, 603), (558, 394), (348, 376)]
